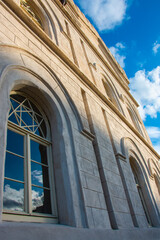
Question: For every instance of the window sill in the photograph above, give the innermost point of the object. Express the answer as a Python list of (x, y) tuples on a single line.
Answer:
[(22, 217)]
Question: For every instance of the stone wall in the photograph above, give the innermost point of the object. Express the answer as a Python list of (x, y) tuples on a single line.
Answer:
[(67, 69)]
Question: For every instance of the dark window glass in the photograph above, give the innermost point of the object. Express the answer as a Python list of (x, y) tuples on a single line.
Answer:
[(27, 118), (18, 98), (15, 142), (13, 195), (38, 152), (14, 167), (41, 200)]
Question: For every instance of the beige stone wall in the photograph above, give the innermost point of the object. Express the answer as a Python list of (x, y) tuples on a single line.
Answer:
[(104, 136)]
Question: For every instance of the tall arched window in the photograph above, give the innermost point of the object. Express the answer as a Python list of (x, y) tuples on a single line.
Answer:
[(28, 178), (135, 120), (110, 93), (139, 188)]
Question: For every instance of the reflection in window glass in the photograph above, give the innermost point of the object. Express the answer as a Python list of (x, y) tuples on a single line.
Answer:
[(14, 167), (41, 200), (38, 152), (13, 195), (39, 175), (15, 142)]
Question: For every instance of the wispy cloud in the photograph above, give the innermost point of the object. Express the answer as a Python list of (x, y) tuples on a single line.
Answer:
[(156, 47), (118, 52), (106, 14), (157, 147), (154, 134), (37, 175), (145, 87)]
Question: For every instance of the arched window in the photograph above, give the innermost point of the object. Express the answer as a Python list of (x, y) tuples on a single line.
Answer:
[(135, 120), (28, 178), (110, 93), (27, 6), (139, 188)]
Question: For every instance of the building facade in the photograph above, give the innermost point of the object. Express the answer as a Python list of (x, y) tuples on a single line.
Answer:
[(76, 161)]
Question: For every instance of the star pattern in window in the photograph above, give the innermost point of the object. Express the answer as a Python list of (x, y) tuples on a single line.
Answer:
[(26, 115)]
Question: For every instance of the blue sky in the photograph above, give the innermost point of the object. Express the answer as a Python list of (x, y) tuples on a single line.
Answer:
[(130, 29)]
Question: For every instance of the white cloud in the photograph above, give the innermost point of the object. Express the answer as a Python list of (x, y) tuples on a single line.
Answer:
[(14, 199), (37, 199), (37, 175), (145, 87), (106, 14), (156, 47), (117, 52)]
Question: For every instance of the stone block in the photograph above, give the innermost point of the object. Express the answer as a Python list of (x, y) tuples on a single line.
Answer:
[(101, 219), (91, 199)]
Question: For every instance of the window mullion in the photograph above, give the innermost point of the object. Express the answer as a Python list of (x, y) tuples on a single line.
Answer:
[(28, 180), (51, 182)]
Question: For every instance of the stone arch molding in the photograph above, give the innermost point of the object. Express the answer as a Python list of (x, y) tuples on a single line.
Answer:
[(21, 70), (153, 168), (48, 21), (13, 57), (128, 148), (52, 21), (154, 172)]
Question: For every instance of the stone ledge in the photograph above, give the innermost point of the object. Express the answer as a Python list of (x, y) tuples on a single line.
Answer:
[(33, 231)]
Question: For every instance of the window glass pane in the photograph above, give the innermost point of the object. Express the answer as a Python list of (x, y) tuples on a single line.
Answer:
[(13, 196), (15, 142), (14, 104), (14, 167), (27, 118), (39, 175), (38, 152), (14, 118), (41, 200)]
